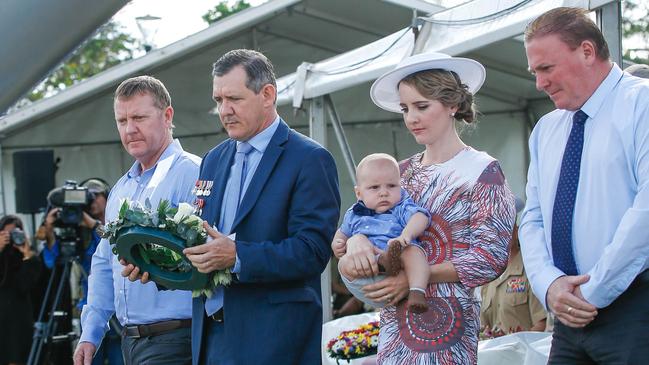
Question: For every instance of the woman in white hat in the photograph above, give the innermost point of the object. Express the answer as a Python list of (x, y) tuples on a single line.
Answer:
[(471, 206)]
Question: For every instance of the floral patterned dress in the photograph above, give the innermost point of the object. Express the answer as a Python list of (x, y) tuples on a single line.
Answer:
[(472, 212)]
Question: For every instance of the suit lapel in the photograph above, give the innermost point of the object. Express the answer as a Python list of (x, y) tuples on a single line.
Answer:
[(264, 169), (221, 174)]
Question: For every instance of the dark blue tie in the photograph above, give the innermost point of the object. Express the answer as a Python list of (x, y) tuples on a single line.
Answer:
[(564, 200)]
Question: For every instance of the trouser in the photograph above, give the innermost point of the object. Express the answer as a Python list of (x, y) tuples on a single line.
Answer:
[(169, 348), (618, 335)]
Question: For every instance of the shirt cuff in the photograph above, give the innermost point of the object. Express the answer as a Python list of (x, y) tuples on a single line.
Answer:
[(236, 269), (543, 282), (92, 335)]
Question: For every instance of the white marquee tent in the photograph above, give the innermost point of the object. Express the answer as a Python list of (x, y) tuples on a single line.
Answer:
[(328, 53)]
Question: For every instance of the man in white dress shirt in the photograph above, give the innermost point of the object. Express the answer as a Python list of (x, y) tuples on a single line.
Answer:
[(585, 229)]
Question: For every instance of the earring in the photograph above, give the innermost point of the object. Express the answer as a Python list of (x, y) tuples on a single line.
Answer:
[(452, 114)]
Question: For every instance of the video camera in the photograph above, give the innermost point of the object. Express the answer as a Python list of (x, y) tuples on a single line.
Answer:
[(72, 199)]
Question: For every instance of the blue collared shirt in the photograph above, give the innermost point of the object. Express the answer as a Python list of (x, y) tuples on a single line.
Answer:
[(610, 232), (379, 228), (259, 144), (172, 178), (50, 255)]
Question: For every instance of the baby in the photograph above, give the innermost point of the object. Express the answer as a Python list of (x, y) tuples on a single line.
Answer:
[(391, 220)]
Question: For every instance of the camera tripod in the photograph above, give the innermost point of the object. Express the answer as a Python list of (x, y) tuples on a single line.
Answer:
[(45, 333)]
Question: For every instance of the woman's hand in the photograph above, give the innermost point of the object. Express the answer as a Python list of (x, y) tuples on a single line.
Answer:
[(4, 240), (360, 259), (25, 249), (390, 290)]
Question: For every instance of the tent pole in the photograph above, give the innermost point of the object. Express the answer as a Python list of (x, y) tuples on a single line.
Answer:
[(341, 137), (2, 184), (609, 18), (318, 131)]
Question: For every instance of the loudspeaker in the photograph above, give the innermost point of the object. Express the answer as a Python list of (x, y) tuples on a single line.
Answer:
[(34, 173)]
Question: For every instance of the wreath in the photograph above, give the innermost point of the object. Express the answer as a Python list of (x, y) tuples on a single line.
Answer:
[(153, 240)]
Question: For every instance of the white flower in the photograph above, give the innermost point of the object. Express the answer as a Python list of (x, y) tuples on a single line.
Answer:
[(374, 341), (194, 218), (184, 210), (338, 346)]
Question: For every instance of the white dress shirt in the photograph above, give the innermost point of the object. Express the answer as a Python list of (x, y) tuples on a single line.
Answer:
[(610, 233)]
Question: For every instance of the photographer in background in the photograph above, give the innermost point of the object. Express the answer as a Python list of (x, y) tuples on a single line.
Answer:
[(19, 270)]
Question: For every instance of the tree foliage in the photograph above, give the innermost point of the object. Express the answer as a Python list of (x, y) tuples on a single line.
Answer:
[(635, 30), (108, 47), (224, 10)]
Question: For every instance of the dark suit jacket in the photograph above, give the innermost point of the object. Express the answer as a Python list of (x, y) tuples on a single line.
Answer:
[(284, 226)]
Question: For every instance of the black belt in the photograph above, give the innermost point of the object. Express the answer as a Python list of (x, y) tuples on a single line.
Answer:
[(217, 316), (153, 329), (642, 278)]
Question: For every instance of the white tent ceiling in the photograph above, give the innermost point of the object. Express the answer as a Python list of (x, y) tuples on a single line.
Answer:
[(78, 123)]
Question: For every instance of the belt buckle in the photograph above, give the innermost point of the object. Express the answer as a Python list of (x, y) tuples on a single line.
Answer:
[(132, 332), (217, 316)]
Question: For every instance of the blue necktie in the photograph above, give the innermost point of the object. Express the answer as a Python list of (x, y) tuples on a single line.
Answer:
[(231, 201), (237, 180), (564, 200)]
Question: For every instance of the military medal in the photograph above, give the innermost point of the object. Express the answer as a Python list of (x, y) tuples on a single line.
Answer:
[(201, 203), (200, 190), (208, 189), (516, 285), (195, 189)]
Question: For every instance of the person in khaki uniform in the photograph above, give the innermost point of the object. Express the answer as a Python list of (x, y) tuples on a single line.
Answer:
[(508, 303)]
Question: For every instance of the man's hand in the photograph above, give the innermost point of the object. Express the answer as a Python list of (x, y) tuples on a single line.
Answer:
[(219, 253), (390, 290), (564, 299), (339, 247), (84, 353), (48, 226), (88, 221), (360, 259), (132, 272)]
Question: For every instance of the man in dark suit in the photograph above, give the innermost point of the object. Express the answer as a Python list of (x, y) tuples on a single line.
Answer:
[(272, 195)]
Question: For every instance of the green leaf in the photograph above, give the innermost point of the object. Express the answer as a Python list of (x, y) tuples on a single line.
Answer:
[(122, 210), (144, 254)]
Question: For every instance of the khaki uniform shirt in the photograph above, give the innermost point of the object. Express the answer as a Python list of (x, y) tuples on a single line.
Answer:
[(508, 303)]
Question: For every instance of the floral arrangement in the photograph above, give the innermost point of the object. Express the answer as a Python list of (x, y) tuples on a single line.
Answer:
[(360, 342), (180, 222)]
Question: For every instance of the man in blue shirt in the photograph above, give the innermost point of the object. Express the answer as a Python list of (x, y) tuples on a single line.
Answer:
[(156, 323), (585, 231)]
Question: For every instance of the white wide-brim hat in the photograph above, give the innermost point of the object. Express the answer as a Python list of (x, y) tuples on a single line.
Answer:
[(385, 92)]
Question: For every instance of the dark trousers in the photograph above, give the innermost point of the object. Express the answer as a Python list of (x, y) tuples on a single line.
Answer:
[(212, 351), (618, 335), (169, 348)]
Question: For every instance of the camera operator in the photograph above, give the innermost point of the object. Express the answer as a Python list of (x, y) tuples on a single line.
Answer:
[(92, 217), (19, 270)]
